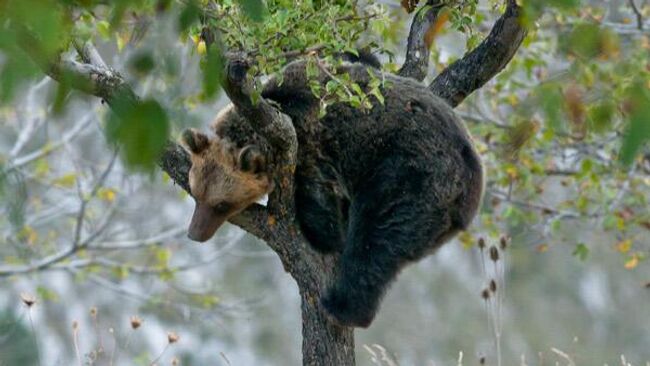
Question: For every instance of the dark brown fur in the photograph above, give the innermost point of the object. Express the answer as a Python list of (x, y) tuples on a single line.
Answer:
[(383, 187)]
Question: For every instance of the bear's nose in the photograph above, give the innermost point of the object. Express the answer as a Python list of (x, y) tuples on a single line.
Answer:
[(204, 223), (196, 237)]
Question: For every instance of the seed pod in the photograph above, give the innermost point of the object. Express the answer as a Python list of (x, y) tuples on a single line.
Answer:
[(481, 243), (493, 285), (27, 299), (485, 294), (494, 253), (136, 322), (172, 337), (503, 242)]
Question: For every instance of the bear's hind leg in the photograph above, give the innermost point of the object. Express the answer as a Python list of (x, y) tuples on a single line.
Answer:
[(391, 225)]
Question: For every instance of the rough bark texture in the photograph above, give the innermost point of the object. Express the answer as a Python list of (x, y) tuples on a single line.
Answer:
[(416, 63), (476, 68), (324, 343)]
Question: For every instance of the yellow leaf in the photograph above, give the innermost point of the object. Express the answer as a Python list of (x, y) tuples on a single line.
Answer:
[(632, 262), (511, 171), (28, 234), (542, 248), (41, 168), (122, 40), (65, 181), (106, 194), (466, 239), (624, 246), (201, 48), (513, 99)]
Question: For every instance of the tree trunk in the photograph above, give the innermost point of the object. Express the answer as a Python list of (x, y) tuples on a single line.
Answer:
[(323, 343)]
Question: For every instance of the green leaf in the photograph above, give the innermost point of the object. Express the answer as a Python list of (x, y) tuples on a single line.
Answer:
[(104, 29), (254, 9), (601, 115), (581, 251), (188, 16), (141, 130), (638, 129), (590, 40), (142, 63), (212, 72), (45, 294), (552, 101), (331, 86)]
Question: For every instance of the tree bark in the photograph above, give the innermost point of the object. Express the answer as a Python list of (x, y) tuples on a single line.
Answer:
[(416, 62), (324, 343), (480, 65)]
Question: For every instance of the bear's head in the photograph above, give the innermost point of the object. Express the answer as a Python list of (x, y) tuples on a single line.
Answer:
[(224, 180)]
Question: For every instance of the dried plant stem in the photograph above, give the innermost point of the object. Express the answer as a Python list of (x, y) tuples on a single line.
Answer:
[(75, 341), (99, 334), (116, 350), (497, 309), (160, 355), (31, 323)]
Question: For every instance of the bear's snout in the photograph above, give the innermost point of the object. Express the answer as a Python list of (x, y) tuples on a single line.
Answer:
[(205, 223)]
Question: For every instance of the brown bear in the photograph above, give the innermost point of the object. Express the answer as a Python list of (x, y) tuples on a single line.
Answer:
[(224, 180), (383, 187)]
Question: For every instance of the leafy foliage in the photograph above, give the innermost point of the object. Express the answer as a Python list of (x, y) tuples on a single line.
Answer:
[(141, 129), (563, 131)]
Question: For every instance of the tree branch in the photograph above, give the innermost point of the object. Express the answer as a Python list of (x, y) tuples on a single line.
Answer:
[(638, 14), (476, 68), (273, 125), (99, 80), (420, 38)]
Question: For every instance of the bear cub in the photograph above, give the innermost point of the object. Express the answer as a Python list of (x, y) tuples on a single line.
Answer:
[(383, 187)]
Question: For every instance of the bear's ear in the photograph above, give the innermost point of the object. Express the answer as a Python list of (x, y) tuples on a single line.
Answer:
[(195, 141), (251, 159)]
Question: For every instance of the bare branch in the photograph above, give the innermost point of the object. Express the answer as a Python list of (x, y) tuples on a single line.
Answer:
[(48, 149), (111, 86), (420, 38), (154, 240), (476, 68), (81, 215), (56, 258), (637, 13), (89, 54)]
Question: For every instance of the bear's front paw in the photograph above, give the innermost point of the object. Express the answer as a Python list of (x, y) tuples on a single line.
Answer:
[(344, 311)]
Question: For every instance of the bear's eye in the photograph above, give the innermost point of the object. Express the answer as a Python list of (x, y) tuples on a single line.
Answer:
[(222, 207)]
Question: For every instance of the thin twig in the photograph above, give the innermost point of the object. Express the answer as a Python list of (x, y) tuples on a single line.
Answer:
[(637, 12), (31, 324)]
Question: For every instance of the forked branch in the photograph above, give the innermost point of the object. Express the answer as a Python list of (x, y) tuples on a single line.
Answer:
[(480, 65), (416, 64)]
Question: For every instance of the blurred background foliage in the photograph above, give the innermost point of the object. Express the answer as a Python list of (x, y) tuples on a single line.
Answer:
[(563, 131)]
